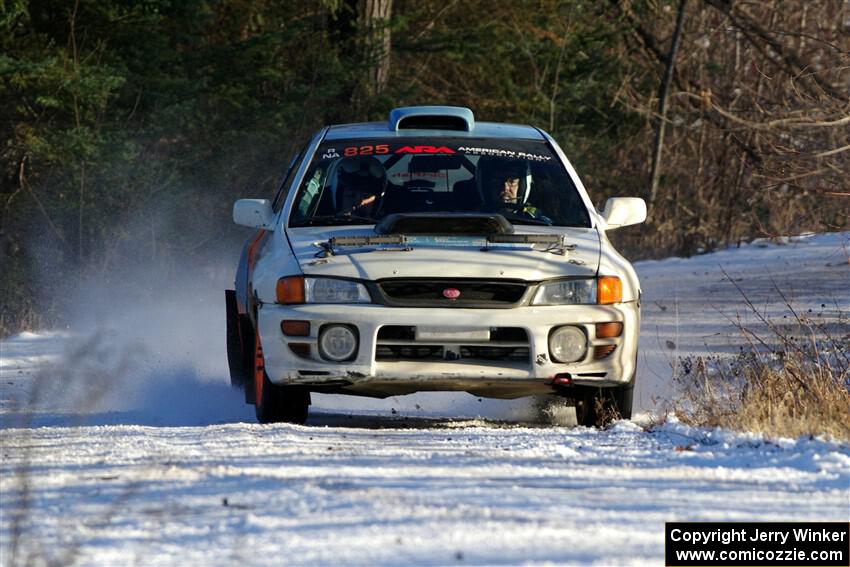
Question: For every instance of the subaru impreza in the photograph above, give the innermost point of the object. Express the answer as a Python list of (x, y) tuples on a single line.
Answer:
[(432, 252)]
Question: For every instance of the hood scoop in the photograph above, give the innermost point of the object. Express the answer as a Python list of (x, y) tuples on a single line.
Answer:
[(445, 224)]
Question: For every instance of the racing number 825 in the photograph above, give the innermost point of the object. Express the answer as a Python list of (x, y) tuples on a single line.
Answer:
[(366, 150)]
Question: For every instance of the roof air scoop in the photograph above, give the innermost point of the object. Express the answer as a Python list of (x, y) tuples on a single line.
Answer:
[(455, 118)]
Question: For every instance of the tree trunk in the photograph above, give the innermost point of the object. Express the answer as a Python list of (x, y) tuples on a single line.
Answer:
[(663, 95), (374, 19)]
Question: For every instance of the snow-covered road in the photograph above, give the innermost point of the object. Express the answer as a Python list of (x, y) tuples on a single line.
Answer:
[(374, 492), (166, 467)]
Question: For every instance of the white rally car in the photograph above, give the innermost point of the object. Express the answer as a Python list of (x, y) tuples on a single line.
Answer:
[(433, 252)]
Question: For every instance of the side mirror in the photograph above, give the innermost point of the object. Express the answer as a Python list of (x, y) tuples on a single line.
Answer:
[(256, 213), (623, 211)]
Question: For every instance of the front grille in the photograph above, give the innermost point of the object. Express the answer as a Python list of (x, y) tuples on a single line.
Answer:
[(398, 343), (472, 292), (401, 352), (519, 354)]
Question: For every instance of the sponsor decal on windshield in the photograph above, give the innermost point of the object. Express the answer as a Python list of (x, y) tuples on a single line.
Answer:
[(425, 150), (379, 149), (502, 153), (385, 149), (366, 150), (427, 174)]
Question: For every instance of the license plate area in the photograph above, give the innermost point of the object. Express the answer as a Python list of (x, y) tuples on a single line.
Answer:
[(451, 334)]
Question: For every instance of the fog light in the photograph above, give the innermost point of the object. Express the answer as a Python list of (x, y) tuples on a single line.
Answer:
[(567, 344), (337, 342)]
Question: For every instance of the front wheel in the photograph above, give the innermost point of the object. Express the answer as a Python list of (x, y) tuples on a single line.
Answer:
[(597, 407), (274, 403)]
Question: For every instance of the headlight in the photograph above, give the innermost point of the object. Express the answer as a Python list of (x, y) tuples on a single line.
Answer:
[(298, 289), (326, 290), (566, 292), (604, 291)]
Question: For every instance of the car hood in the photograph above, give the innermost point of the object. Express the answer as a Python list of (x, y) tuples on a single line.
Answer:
[(444, 257)]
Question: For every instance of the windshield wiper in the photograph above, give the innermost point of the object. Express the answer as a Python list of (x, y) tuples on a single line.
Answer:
[(333, 220), (329, 247)]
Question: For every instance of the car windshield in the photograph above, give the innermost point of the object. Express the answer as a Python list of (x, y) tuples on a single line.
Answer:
[(363, 181)]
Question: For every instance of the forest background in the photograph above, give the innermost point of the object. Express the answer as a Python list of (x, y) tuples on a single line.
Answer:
[(130, 126)]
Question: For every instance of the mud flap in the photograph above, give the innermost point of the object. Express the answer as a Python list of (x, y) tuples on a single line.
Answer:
[(236, 357)]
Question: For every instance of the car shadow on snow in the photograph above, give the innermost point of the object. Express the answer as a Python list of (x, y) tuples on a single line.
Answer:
[(66, 396), (373, 421), (235, 411)]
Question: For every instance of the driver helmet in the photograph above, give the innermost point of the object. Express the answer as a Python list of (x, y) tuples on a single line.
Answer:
[(497, 172), (363, 175)]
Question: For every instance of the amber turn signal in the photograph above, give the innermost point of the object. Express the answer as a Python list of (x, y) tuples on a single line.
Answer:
[(608, 330), (609, 289), (295, 328), (290, 290)]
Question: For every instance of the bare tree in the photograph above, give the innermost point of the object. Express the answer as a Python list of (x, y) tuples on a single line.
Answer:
[(754, 118), (663, 94), (374, 24)]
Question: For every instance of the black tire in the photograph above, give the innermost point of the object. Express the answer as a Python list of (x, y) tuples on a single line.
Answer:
[(274, 403), (623, 398), (597, 407), (585, 404), (236, 358), (282, 404)]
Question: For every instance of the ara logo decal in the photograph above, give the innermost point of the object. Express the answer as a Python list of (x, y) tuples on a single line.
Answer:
[(451, 293), (330, 153), (424, 150)]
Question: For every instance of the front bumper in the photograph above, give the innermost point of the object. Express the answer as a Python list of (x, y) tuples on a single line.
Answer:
[(372, 373)]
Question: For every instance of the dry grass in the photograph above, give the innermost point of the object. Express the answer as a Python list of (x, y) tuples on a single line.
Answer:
[(790, 399), (788, 380), (796, 400)]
